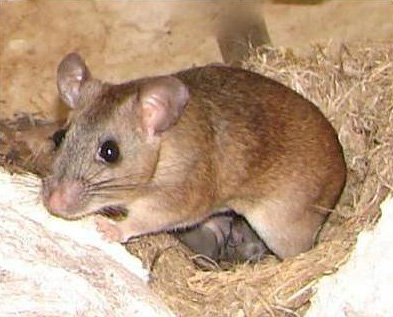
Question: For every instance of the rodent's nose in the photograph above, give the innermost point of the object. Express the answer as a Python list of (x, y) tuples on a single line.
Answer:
[(65, 198)]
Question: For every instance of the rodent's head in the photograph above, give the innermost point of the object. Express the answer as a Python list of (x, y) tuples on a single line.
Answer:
[(111, 146)]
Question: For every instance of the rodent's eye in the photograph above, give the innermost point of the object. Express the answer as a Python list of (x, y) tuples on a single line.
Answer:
[(109, 151), (58, 137)]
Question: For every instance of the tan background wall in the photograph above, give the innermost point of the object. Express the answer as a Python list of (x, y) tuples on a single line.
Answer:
[(123, 39)]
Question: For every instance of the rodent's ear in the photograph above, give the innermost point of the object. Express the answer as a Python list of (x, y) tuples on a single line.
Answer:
[(162, 101), (72, 73)]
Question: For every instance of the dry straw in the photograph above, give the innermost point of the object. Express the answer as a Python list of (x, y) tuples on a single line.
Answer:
[(352, 85)]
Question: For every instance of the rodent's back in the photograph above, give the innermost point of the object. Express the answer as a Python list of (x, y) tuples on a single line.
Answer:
[(263, 131)]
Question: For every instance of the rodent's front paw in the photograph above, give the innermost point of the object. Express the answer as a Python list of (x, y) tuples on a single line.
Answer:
[(109, 229)]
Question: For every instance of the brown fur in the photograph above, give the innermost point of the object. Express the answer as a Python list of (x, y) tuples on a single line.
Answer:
[(243, 142)]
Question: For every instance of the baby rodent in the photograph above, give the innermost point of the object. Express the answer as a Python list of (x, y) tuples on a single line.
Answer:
[(171, 151)]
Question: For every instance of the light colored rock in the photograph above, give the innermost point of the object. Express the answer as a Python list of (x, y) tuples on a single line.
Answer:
[(364, 285), (53, 267)]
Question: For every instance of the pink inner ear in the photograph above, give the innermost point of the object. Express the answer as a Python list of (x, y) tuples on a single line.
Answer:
[(153, 114), (162, 101), (72, 73)]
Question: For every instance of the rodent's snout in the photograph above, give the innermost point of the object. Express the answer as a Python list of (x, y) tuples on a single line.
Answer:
[(62, 199)]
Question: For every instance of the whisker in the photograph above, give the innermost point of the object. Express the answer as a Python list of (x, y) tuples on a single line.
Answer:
[(131, 175), (117, 188), (95, 168), (119, 178), (126, 187), (88, 177), (103, 182), (110, 186), (28, 183), (28, 200)]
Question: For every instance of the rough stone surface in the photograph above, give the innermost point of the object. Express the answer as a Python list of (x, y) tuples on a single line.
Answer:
[(53, 267), (364, 285)]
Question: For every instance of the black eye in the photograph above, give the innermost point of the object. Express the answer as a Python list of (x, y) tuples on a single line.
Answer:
[(58, 137), (109, 151)]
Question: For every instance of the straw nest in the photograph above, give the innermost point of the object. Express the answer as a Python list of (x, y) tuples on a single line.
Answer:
[(353, 87)]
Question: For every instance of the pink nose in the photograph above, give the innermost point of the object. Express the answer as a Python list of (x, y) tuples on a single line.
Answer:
[(65, 198)]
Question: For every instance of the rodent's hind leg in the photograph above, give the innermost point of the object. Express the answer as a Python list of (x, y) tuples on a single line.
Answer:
[(224, 237), (288, 229)]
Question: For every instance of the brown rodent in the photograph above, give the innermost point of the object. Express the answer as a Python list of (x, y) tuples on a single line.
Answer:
[(170, 151)]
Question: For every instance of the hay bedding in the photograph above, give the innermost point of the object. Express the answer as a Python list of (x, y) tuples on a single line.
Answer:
[(353, 87)]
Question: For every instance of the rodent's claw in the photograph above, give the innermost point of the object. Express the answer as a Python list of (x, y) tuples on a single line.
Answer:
[(109, 229)]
